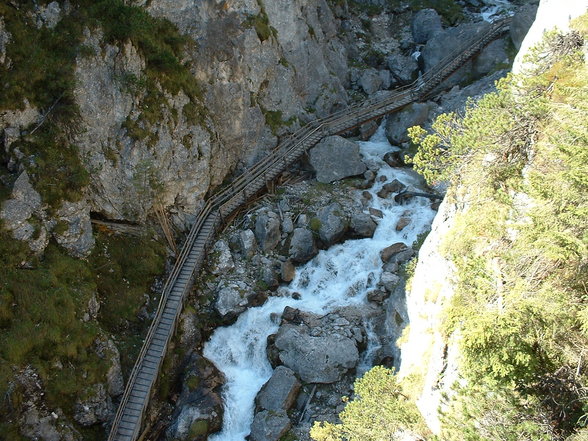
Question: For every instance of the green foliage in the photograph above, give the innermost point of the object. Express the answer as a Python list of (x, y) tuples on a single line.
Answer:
[(275, 120), (124, 268), (260, 23), (449, 10), (519, 164), (379, 411)]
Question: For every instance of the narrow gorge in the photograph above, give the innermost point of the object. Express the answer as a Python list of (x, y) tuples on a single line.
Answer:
[(385, 246)]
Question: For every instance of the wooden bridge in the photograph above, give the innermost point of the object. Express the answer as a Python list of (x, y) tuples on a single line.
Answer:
[(127, 422)]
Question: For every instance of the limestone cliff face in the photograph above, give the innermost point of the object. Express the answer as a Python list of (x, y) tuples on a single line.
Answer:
[(244, 77), (263, 70)]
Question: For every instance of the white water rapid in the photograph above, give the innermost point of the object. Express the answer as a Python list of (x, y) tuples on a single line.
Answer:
[(339, 276)]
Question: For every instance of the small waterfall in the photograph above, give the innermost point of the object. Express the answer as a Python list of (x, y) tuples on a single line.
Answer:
[(339, 276)]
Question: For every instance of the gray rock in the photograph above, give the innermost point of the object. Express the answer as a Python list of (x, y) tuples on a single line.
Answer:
[(371, 81), (5, 38), (375, 213), (199, 404), (413, 115), (106, 349), (362, 225), (335, 158), (389, 281), (402, 223), (387, 253), (391, 187), (321, 359), (394, 159), (269, 276), (77, 239), (223, 261), (247, 243), (18, 211), (269, 426), (267, 230), (302, 246), (280, 391), (521, 23), (367, 130), (425, 23), (377, 296), (494, 54), (404, 70), (97, 408), (287, 224), (333, 223), (49, 15), (288, 271), (232, 298)]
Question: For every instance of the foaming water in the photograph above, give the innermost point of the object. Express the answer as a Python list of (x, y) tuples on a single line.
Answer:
[(339, 276), (496, 9)]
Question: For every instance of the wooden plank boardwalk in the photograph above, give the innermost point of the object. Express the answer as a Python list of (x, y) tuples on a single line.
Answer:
[(127, 422)]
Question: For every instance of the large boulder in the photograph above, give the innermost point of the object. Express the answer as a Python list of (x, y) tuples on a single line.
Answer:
[(362, 225), (280, 391), (267, 230), (76, 237), (333, 223), (232, 298), (371, 81), (269, 426), (335, 158), (223, 259), (302, 246), (199, 409), (415, 114), (521, 23), (403, 69), (320, 359), (425, 23)]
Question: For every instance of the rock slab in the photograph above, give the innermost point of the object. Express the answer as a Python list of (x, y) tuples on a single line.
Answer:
[(335, 158)]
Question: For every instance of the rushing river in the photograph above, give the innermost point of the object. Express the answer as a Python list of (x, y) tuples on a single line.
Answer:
[(339, 276)]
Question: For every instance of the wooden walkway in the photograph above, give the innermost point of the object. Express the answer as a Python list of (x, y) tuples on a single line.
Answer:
[(127, 423)]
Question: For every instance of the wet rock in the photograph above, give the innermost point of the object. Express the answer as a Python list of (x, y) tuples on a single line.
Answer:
[(302, 246), (392, 187), (269, 426), (387, 253), (333, 224), (374, 212), (288, 271), (247, 243), (97, 408), (280, 391), (389, 281), (394, 159), (435, 205), (402, 223), (398, 123), (335, 158), (223, 263), (425, 23), (320, 359), (232, 298), (199, 407), (377, 296), (521, 23), (367, 130), (362, 225), (404, 70), (267, 230)]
